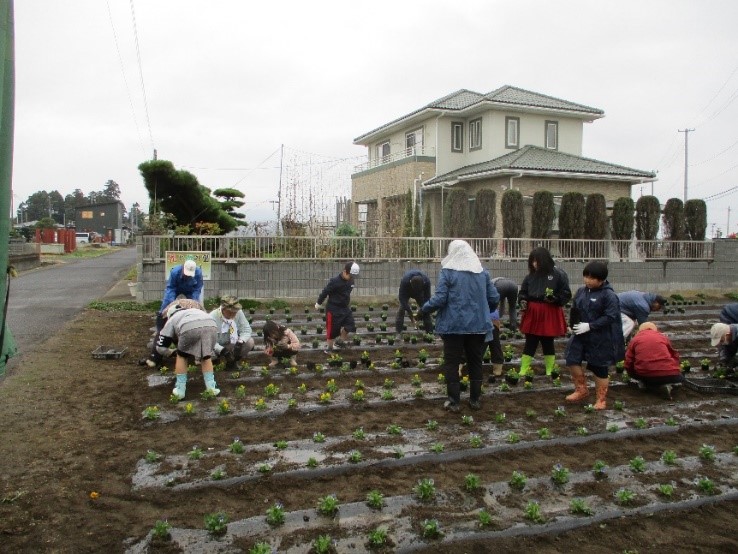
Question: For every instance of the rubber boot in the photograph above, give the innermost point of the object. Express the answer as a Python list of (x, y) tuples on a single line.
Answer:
[(525, 362), (180, 386), (453, 391), (581, 392), (475, 393), (601, 386), (210, 383), (550, 361)]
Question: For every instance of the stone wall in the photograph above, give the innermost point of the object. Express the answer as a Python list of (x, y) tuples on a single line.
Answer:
[(305, 279)]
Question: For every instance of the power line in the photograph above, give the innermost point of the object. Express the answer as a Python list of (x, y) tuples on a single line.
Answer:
[(140, 72), (125, 80)]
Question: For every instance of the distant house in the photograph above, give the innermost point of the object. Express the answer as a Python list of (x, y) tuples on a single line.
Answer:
[(102, 218), (509, 137)]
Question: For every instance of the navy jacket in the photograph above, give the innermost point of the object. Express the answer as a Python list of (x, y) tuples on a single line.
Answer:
[(636, 304), (463, 300), (338, 292), (601, 309), (729, 313), (406, 292)]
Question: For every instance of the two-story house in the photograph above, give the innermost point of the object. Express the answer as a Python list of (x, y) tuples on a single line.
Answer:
[(509, 137)]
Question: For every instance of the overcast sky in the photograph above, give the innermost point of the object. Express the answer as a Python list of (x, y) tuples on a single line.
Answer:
[(228, 81)]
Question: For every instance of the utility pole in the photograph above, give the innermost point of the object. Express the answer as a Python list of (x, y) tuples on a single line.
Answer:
[(686, 154), (727, 225), (279, 192)]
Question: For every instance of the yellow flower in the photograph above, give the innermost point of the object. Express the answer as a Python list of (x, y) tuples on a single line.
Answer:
[(94, 495)]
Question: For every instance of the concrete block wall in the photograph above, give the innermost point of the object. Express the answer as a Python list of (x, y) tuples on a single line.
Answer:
[(305, 279)]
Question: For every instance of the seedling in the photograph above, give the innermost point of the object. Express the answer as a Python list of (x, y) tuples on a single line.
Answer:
[(375, 500), (399, 452), (425, 489), (152, 456), (669, 457), (275, 514), (325, 398), (271, 390), (579, 507), (318, 437), (666, 490), (467, 420), (331, 386), (706, 485), (358, 395), (638, 464), (151, 413), (195, 453), (582, 431), (472, 482), (441, 379), (387, 395), (354, 456), (394, 429), (280, 445), (475, 441), (377, 538), (589, 408), (560, 412), (416, 381), (533, 512), (161, 529), (359, 434), (431, 529), (323, 544), (292, 403), (619, 405), (624, 496), (260, 404), (302, 389), (560, 474), (216, 524), (544, 433), (189, 409), (224, 407), (236, 447), (419, 393), (312, 462), (431, 425), (512, 438), (437, 447), (328, 505), (264, 468), (218, 475), (599, 469), (640, 423), (423, 355), (707, 453), (240, 392), (518, 480), (613, 428), (500, 418), (528, 385)]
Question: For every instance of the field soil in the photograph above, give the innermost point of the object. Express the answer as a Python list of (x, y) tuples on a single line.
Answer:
[(76, 476)]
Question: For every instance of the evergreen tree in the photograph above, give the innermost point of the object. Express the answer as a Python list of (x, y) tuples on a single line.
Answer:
[(543, 214), (595, 220), (673, 219), (695, 219), (485, 214), (647, 217), (571, 223), (456, 214)]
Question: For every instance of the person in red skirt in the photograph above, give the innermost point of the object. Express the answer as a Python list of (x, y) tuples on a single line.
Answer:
[(543, 293)]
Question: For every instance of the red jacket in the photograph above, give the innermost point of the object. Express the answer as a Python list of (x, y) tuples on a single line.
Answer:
[(650, 354)]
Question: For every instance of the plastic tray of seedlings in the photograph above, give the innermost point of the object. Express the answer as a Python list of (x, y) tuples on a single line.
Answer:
[(710, 384), (108, 352)]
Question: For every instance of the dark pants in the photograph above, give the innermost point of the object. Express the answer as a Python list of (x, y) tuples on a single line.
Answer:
[(656, 381), (460, 348), (400, 321), (495, 348), (508, 292), (531, 345), (237, 351)]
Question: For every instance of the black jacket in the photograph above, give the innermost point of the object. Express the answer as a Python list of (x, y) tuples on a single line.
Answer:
[(338, 292), (533, 288)]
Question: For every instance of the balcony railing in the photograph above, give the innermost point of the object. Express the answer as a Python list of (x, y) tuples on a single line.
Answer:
[(232, 249), (407, 153)]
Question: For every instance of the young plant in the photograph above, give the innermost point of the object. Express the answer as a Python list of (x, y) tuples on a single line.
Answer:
[(354, 456), (271, 390), (260, 404), (638, 464), (500, 418), (560, 474), (324, 398), (323, 544), (707, 453), (216, 524), (484, 518), (669, 457), (151, 413), (328, 505), (518, 480), (430, 529), (264, 468), (240, 392), (475, 441), (152, 456), (275, 514), (467, 420), (331, 386), (624, 496), (224, 407), (358, 395), (613, 428), (431, 425), (318, 437), (218, 475), (161, 529), (195, 453), (560, 412), (544, 433), (375, 500), (399, 452), (579, 507), (189, 409), (387, 395), (312, 462), (706, 485), (359, 434), (533, 512), (280, 445), (589, 409), (425, 489), (292, 403), (619, 405), (394, 429), (582, 431), (236, 447), (377, 538), (437, 447), (512, 438), (472, 482), (599, 469), (666, 490), (640, 423)]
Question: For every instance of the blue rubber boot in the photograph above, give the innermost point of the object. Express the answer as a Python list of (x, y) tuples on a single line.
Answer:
[(210, 383), (180, 386)]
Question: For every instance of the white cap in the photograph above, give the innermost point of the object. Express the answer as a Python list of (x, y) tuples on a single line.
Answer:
[(189, 268), (354, 268)]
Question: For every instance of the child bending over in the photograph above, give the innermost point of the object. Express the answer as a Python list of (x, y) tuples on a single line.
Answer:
[(280, 342)]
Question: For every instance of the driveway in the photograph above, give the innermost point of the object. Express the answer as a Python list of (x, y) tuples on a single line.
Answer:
[(43, 300)]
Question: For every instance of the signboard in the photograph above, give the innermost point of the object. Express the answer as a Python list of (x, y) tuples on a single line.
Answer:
[(202, 259)]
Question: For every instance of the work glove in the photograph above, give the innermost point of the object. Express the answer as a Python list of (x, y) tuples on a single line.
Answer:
[(581, 328), (523, 305), (317, 306)]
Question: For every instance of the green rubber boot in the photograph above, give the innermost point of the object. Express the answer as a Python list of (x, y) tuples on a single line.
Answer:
[(525, 362), (550, 362)]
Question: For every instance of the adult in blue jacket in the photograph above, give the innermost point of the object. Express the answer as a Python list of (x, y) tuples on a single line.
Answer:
[(598, 334), (416, 285), (464, 298), (635, 307), (727, 349)]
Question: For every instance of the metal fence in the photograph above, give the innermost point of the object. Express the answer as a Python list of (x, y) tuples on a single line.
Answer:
[(386, 248)]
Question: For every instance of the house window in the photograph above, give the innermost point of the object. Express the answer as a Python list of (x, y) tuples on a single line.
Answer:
[(86, 214), (552, 135), (475, 134), (414, 141), (383, 150), (457, 137), (512, 136)]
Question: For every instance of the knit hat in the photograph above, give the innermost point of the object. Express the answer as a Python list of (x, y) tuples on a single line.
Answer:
[(717, 332)]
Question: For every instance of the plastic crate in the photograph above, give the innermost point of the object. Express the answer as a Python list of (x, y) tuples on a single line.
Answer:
[(108, 352), (709, 384)]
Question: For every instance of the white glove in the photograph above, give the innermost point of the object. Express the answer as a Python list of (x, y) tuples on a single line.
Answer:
[(581, 328), (218, 348), (317, 306)]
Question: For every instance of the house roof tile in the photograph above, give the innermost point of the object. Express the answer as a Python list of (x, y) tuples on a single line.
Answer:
[(534, 158)]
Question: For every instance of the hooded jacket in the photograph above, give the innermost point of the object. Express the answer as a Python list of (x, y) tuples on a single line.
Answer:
[(601, 309), (636, 304)]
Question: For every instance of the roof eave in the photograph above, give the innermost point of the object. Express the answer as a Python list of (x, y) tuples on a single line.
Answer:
[(634, 180), (368, 138)]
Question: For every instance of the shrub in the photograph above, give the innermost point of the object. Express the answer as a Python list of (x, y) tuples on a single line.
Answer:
[(572, 216), (595, 217), (673, 219), (647, 217), (485, 215), (695, 219), (543, 214), (456, 214), (513, 224)]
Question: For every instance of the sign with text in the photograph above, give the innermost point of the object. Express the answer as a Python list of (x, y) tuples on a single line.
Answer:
[(202, 259)]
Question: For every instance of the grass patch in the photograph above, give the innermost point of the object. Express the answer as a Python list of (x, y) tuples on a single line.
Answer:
[(124, 306)]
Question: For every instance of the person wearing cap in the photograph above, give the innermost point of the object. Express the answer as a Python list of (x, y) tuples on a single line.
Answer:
[(635, 307), (725, 337), (463, 299), (234, 340), (195, 333), (339, 320), (651, 359), (185, 281), (416, 285), (727, 351), (508, 290)]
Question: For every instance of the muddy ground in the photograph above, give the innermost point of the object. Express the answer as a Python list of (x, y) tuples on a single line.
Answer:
[(75, 478)]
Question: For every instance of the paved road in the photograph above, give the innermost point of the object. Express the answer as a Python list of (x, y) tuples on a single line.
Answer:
[(44, 299)]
